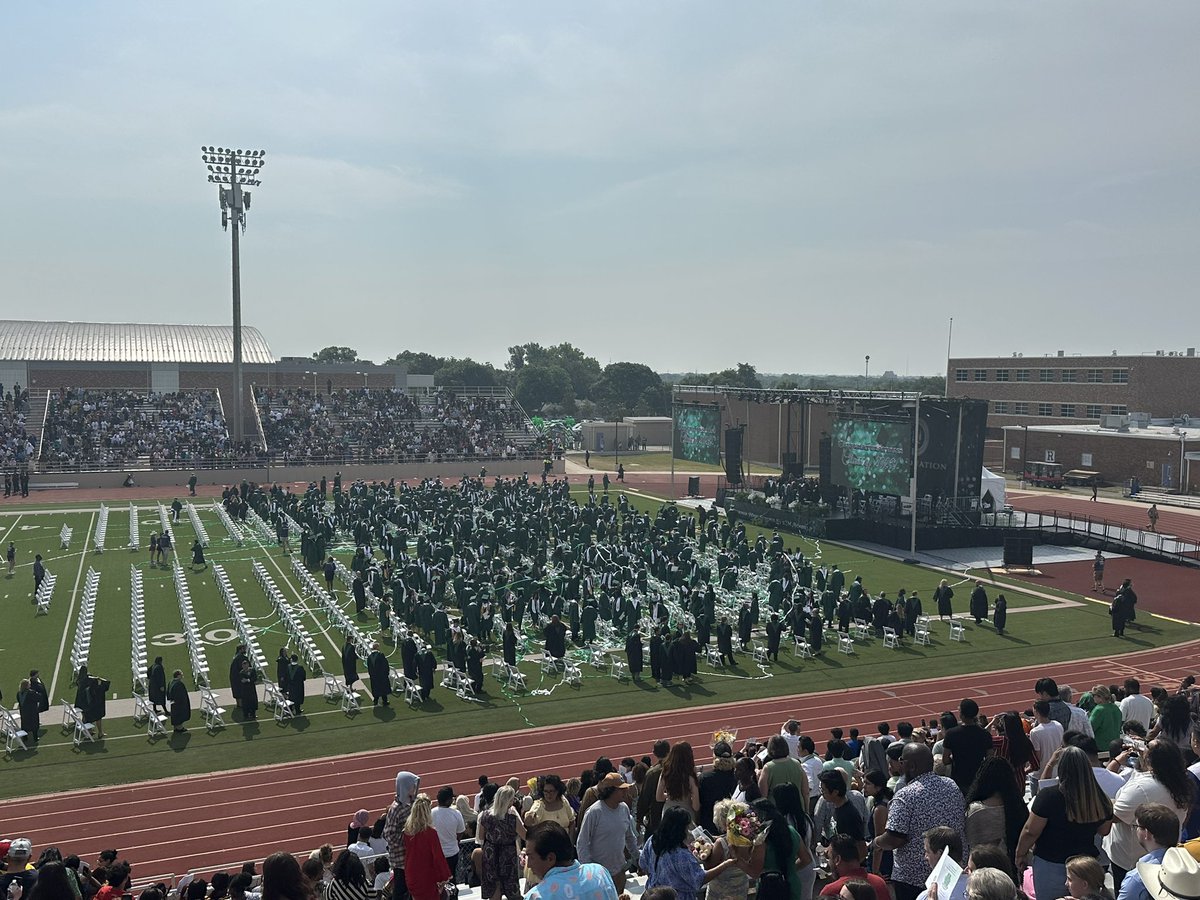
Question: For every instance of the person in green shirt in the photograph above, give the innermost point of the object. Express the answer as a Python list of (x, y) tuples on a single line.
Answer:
[(1105, 716)]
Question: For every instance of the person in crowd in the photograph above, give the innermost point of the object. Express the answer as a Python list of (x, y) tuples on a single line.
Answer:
[(733, 883), (1160, 777), (842, 810), (1105, 716), (551, 806), (1046, 734), (996, 810), (360, 820), (747, 780), (879, 798), (425, 865), (181, 703), (1063, 821), (845, 865), (606, 834), (794, 811), (965, 745), (406, 787), (1157, 831), (362, 844), (990, 884), (1136, 706), (649, 808), (716, 784), (1085, 879), (54, 882), (450, 826), (781, 768), (668, 861), (498, 830), (677, 784), (283, 880), (557, 871), (926, 801)]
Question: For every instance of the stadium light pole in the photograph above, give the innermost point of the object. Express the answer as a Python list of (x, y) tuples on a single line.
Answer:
[(232, 171)]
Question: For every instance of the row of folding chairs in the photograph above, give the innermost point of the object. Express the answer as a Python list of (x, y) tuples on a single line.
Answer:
[(82, 644), (14, 735), (240, 621), (45, 593), (101, 530), (138, 659), (335, 615), (82, 732), (231, 527), (64, 536), (301, 639), (280, 705), (191, 628), (405, 687), (197, 525), (261, 529), (135, 538)]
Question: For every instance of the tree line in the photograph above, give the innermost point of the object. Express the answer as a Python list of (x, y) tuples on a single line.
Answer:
[(564, 380)]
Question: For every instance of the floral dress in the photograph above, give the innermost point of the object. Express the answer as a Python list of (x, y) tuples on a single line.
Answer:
[(501, 868)]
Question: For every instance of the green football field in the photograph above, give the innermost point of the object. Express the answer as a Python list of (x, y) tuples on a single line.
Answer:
[(28, 640)]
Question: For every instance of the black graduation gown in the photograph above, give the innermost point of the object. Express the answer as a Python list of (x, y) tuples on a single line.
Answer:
[(816, 634), (475, 667), (668, 660), (656, 655), (426, 667), (235, 675), (745, 624), (156, 685), (943, 596), (282, 666), (703, 630), (458, 655), (28, 702), (510, 647), (91, 697), (349, 664), (774, 635), (377, 673), (181, 704), (297, 675), (979, 604), (633, 654), (556, 640), (408, 657), (249, 699), (725, 639), (685, 657), (1000, 614)]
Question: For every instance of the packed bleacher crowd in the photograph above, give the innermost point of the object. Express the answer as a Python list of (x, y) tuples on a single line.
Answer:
[(371, 425), (118, 427), (17, 445), (1061, 800)]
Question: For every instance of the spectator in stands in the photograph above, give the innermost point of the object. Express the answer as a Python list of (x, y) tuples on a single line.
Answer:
[(781, 768), (1085, 879), (282, 879), (54, 882), (1079, 718), (747, 780), (1063, 821), (733, 883), (677, 785), (879, 798), (362, 844), (846, 865), (1046, 734), (842, 811), (498, 829), (552, 860), (1136, 707), (996, 810), (1162, 778), (649, 808), (1105, 717), (407, 785), (965, 746), (945, 840), (668, 861), (117, 882), (926, 801), (449, 824), (606, 834), (551, 806), (1157, 830), (425, 865), (716, 784), (991, 884), (17, 867), (794, 811)]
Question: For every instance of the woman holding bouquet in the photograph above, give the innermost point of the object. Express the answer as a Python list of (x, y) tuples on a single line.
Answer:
[(733, 883), (668, 860)]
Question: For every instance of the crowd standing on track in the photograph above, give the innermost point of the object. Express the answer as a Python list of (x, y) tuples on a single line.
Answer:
[(1049, 801)]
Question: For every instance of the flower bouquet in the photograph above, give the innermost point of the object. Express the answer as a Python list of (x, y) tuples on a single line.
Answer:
[(745, 829), (728, 735)]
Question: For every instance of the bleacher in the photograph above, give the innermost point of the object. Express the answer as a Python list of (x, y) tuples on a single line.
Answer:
[(387, 425)]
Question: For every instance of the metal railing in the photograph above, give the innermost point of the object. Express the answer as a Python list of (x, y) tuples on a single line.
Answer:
[(1100, 532)]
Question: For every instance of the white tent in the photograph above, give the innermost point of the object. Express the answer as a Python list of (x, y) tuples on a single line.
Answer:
[(992, 483)]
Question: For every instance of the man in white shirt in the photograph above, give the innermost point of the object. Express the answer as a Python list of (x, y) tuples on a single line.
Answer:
[(1079, 719), (362, 847), (1047, 735), (813, 765), (790, 732), (1136, 707), (448, 823)]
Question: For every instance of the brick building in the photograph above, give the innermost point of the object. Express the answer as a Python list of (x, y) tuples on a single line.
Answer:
[(1152, 454), (1075, 390)]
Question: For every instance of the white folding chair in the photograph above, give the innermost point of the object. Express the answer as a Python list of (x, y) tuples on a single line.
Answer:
[(14, 735), (618, 670), (802, 649), (333, 689), (846, 644), (957, 631), (351, 701), (514, 679), (713, 655), (551, 665), (760, 655), (921, 634), (572, 675), (890, 638)]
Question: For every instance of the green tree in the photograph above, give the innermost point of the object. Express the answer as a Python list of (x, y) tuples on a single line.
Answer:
[(465, 373), (583, 370), (538, 385), (628, 388), (744, 376), (416, 363), (336, 355)]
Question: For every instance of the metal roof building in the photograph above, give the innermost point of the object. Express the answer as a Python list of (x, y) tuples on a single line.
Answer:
[(126, 342)]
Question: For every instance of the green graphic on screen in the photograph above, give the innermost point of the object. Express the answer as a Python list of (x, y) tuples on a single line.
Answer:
[(698, 434), (872, 456)]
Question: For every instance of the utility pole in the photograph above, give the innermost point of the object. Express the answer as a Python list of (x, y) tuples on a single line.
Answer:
[(231, 170)]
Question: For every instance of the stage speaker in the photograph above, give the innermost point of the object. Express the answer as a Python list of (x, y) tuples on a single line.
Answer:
[(1018, 552), (733, 455), (693, 485), (825, 460)]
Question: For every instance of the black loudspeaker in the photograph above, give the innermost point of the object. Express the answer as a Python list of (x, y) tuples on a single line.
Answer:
[(693, 485), (1018, 552), (733, 455), (825, 460)]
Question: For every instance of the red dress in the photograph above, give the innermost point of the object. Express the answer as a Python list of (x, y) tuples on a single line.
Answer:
[(424, 864)]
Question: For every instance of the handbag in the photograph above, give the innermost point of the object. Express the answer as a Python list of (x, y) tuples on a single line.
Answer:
[(448, 890)]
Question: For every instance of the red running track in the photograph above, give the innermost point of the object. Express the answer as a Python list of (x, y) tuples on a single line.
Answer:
[(217, 821)]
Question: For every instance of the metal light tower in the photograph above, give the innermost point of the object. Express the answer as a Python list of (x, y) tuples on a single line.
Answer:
[(231, 170)]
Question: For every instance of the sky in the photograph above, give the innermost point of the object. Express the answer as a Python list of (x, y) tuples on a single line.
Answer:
[(684, 184)]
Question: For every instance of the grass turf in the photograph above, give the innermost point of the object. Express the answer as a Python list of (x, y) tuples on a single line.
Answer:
[(28, 641)]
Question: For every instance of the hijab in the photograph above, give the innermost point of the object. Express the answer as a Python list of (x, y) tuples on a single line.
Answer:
[(406, 786)]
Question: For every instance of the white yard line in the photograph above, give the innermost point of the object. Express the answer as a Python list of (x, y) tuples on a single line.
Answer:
[(62, 646), (16, 521)]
